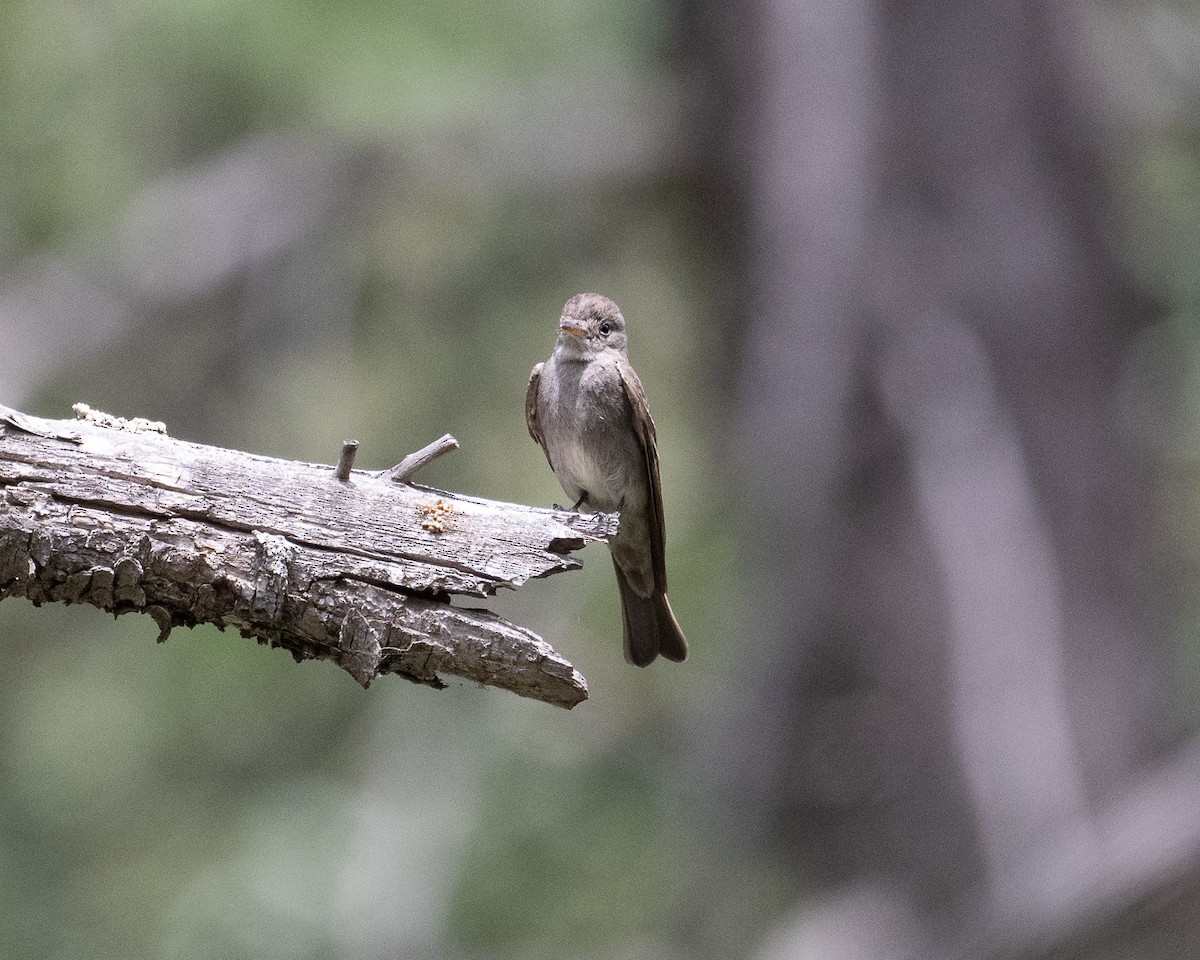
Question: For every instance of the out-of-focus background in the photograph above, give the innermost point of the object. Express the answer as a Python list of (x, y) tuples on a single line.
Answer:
[(915, 292)]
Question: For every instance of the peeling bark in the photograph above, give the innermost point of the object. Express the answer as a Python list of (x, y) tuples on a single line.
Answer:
[(360, 571)]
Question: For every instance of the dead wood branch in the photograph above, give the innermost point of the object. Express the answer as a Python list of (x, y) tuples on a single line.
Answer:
[(359, 571)]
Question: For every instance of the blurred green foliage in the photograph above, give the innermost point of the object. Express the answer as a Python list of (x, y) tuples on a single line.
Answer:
[(99, 98)]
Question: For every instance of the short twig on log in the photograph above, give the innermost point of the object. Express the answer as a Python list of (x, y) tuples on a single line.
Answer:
[(346, 459), (360, 571), (407, 468)]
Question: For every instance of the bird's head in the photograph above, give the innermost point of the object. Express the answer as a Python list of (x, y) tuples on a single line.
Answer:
[(590, 325)]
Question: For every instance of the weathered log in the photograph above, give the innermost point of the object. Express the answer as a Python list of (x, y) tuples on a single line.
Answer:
[(120, 515)]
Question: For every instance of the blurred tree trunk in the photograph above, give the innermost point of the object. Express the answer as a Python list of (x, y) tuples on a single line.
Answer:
[(954, 648)]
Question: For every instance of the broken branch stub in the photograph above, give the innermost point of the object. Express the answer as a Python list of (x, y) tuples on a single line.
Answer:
[(359, 571)]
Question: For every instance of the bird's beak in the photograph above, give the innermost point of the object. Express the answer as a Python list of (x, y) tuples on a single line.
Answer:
[(573, 329)]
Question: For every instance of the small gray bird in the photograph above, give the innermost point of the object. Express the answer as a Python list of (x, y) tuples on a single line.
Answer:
[(587, 410)]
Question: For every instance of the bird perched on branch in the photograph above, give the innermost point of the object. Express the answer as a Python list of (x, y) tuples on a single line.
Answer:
[(587, 410)]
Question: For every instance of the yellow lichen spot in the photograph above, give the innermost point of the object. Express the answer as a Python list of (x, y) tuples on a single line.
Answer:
[(435, 515)]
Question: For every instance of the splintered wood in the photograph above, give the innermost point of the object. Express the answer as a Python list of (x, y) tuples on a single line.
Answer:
[(359, 571)]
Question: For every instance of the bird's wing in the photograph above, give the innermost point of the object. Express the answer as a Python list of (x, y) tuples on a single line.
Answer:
[(531, 410), (644, 425)]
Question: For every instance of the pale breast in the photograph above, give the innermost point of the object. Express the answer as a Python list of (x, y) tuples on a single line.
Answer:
[(587, 423)]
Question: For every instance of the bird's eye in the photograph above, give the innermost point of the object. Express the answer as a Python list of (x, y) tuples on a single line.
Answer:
[(605, 328)]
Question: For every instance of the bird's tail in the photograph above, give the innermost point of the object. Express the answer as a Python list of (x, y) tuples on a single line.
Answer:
[(650, 626)]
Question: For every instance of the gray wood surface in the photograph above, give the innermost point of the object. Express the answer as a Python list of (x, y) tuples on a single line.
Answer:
[(362, 572)]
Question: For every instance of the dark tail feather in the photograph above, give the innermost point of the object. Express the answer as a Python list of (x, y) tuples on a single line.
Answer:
[(650, 626), (671, 642)]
